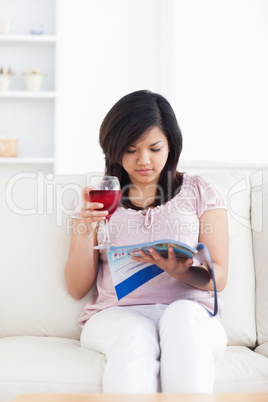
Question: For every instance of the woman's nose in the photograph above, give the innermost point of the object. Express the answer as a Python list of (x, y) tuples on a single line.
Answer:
[(143, 158)]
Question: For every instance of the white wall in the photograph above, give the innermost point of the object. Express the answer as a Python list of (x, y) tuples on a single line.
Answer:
[(220, 79), (105, 50), (209, 58)]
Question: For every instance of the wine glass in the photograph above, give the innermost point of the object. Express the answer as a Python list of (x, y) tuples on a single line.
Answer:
[(106, 190)]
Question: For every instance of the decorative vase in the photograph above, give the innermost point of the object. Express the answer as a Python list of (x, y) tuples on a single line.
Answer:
[(5, 81), (34, 81)]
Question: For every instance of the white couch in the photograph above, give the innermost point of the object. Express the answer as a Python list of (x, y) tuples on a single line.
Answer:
[(39, 335)]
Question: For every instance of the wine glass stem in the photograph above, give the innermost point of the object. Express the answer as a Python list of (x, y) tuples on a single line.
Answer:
[(106, 232)]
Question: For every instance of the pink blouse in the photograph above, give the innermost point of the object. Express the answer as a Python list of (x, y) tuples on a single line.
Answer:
[(177, 219)]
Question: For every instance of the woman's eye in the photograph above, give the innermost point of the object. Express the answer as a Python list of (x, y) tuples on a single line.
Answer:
[(132, 151)]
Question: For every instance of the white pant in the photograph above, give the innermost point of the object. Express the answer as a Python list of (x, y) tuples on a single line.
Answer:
[(176, 341)]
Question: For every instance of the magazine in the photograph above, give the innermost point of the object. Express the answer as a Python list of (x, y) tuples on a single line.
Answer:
[(128, 274)]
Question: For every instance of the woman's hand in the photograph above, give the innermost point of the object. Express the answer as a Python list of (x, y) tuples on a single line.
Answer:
[(90, 211), (216, 239), (173, 266)]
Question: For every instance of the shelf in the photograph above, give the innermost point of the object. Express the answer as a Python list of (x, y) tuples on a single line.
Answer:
[(29, 116), (29, 161), (47, 39), (28, 94)]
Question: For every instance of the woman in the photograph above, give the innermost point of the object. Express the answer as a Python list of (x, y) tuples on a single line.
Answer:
[(163, 327)]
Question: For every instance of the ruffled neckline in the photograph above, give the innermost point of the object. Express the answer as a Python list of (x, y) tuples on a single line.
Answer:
[(161, 208)]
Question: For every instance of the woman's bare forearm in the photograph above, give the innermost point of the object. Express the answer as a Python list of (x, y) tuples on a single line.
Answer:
[(81, 267), (199, 277)]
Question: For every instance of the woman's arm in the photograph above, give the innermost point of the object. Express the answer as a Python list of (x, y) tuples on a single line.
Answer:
[(213, 232), (82, 263), (81, 266)]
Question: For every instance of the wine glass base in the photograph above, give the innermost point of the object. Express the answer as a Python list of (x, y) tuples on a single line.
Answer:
[(103, 246)]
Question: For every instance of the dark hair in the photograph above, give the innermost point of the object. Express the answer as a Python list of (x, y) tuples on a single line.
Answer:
[(127, 122)]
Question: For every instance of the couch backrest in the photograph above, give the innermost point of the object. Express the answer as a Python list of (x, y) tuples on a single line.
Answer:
[(35, 236), (34, 239)]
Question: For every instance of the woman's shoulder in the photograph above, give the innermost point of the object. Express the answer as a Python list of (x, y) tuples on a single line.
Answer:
[(193, 186), (204, 191), (196, 181)]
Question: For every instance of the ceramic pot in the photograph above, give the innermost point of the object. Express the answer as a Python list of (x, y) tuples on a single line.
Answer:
[(34, 81), (5, 81)]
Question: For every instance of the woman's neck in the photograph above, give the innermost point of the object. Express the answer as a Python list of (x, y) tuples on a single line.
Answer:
[(142, 196)]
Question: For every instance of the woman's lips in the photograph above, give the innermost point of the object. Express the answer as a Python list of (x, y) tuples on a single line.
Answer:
[(144, 171)]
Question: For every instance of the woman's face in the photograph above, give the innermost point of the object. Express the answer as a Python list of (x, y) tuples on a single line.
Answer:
[(145, 160)]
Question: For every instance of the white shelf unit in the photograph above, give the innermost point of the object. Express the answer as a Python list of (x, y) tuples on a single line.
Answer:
[(27, 95), (28, 161), (25, 115), (28, 38)]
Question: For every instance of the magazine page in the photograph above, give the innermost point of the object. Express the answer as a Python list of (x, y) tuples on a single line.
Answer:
[(128, 275)]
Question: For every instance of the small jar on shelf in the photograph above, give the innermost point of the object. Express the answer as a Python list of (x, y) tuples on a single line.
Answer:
[(36, 29), (34, 78), (5, 28), (6, 76)]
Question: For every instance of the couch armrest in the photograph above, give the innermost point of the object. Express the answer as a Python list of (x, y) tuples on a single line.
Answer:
[(259, 219)]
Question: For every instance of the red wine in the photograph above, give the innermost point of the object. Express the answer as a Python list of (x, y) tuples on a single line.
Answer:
[(109, 198)]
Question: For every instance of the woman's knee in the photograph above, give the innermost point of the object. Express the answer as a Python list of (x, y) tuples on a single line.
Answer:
[(183, 313), (119, 326)]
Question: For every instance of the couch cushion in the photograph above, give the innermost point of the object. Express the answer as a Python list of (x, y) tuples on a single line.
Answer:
[(34, 238), (262, 349), (240, 370), (259, 216), (46, 364)]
